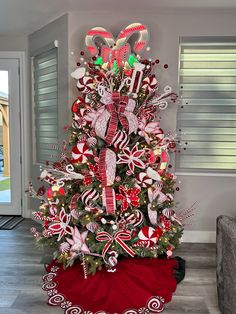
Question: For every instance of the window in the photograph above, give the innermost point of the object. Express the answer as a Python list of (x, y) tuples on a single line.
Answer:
[(45, 78), (206, 115)]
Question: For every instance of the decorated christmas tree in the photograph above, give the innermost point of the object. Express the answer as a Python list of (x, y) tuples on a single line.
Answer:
[(111, 194)]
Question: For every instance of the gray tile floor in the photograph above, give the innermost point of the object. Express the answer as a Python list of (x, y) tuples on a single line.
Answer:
[(22, 267)]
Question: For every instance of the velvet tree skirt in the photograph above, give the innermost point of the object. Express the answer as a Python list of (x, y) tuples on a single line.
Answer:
[(139, 285)]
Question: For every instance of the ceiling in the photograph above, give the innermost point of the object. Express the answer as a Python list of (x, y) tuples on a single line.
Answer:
[(22, 17)]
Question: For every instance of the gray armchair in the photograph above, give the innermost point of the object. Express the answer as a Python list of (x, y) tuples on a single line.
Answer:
[(226, 264)]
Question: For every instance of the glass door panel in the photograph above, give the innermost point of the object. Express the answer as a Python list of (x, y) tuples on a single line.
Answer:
[(5, 181)]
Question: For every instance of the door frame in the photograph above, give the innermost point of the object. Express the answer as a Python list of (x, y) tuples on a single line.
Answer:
[(24, 126)]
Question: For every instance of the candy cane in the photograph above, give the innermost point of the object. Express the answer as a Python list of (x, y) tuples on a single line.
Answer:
[(131, 29), (98, 32)]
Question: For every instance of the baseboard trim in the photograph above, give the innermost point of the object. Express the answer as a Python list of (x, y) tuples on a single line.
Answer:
[(199, 236)]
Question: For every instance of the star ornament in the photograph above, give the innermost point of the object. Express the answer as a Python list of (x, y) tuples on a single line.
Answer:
[(129, 197), (61, 227), (132, 158), (77, 242)]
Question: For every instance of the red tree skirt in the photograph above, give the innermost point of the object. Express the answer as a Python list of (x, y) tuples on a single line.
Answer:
[(139, 285)]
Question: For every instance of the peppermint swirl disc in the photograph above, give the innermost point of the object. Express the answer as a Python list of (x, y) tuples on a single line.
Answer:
[(56, 299), (156, 305), (74, 310)]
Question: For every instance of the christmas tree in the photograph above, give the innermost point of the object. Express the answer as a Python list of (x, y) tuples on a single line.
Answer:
[(111, 194)]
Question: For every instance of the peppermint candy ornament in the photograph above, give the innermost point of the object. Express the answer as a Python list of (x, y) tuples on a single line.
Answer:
[(143, 179), (85, 84), (149, 84), (148, 234), (89, 195), (120, 140), (81, 153)]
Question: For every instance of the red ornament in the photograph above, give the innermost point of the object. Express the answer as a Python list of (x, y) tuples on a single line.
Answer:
[(166, 223), (87, 180), (172, 145)]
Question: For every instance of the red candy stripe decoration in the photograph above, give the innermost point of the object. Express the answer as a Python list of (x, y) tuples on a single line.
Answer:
[(89, 195), (120, 140)]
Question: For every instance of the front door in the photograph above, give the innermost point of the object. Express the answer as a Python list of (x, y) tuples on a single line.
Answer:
[(10, 163)]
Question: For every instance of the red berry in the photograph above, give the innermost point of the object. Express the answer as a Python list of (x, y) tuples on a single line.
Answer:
[(81, 53), (157, 61), (177, 189), (78, 64), (166, 66)]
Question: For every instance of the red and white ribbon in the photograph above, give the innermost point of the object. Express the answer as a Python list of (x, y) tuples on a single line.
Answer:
[(107, 171), (119, 237)]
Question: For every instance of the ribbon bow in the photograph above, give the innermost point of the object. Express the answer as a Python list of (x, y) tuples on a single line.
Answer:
[(120, 55), (119, 237), (117, 108)]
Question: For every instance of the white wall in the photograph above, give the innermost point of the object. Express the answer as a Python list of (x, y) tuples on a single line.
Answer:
[(214, 195), (13, 43)]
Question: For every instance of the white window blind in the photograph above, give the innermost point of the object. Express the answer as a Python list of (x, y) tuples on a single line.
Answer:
[(45, 77), (206, 115)]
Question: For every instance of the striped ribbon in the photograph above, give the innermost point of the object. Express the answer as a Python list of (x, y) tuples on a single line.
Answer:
[(117, 109), (107, 171)]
